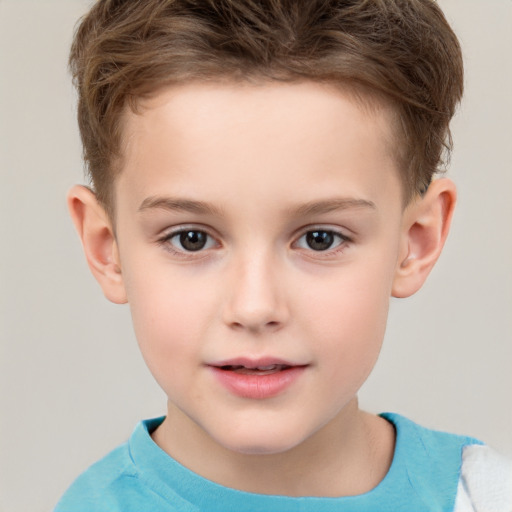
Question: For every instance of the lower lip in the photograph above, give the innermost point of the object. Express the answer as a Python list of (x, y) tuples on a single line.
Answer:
[(258, 387)]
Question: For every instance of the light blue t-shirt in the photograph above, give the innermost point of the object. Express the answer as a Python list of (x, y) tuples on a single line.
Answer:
[(138, 476)]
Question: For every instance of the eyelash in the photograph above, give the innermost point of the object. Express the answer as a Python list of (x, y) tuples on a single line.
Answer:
[(343, 241), (165, 241)]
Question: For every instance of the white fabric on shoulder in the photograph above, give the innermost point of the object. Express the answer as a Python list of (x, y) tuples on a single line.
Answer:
[(485, 483)]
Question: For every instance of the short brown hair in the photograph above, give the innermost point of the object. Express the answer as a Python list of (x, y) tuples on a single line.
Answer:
[(403, 50)]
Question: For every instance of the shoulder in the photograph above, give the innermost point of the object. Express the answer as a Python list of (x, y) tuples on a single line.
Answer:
[(421, 444), (115, 483), (468, 475), (430, 460), (94, 488), (485, 481)]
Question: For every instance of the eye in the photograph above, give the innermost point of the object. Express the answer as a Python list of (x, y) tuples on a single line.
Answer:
[(321, 240), (190, 240)]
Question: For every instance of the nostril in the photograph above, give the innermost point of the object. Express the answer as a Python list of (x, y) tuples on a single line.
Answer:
[(264, 326)]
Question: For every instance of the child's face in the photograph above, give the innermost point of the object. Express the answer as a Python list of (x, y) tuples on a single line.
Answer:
[(258, 226)]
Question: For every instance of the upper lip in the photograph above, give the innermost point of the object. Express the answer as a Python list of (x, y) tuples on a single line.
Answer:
[(253, 363)]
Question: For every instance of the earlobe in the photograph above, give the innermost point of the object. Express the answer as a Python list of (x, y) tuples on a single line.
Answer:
[(98, 240), (425, 229)]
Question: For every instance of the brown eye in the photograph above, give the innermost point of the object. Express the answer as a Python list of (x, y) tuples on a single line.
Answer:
[(189, 240), (193, 240), (320, 240)]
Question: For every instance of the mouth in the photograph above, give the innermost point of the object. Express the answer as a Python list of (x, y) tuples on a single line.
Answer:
[(257, 379), (268, 369)]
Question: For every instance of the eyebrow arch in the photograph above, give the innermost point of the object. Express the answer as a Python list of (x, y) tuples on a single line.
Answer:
[(204, 208), (329, 205), (176, 204)]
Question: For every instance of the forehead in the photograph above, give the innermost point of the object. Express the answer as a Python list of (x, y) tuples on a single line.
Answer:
[(255, 137), (242, 101)]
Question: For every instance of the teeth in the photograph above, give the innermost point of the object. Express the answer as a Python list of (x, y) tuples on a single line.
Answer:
[(254, 369), (267, 368)]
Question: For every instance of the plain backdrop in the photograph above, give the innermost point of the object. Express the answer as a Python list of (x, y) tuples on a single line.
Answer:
[(72, 383)]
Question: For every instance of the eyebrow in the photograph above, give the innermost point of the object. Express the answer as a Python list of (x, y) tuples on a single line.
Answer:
[(204, 208), (330, 205), (175, 204)]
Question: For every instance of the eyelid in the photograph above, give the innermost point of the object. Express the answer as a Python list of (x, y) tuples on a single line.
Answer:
[(170, 233), (342, 232), (344, 240)]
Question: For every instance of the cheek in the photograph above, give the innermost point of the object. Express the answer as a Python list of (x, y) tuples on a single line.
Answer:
[(351, 317), (166, 320)]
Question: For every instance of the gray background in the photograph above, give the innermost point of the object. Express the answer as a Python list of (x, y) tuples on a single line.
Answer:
[(72, 384)]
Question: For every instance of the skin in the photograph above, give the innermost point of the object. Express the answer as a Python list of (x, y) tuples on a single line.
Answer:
[(257, 168)]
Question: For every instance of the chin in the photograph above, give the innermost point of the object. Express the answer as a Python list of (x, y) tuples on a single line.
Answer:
[(259, 449), (267, 441)]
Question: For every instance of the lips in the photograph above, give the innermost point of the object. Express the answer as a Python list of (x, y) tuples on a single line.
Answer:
[(259, 370), (257, 379)]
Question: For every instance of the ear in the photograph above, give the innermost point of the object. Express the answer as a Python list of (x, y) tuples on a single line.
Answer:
[(425, 229), (98, 241)]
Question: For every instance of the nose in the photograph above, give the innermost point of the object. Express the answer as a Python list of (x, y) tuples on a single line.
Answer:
[(256, 295)]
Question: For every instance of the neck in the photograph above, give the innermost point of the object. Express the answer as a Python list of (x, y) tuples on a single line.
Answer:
[(348, 456)]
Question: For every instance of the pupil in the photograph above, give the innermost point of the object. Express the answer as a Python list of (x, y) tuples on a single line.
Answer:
[(319, 240), (193, 240)]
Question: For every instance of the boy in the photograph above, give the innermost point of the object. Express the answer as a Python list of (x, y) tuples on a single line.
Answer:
[(262, 178)]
